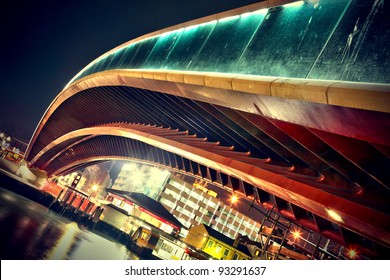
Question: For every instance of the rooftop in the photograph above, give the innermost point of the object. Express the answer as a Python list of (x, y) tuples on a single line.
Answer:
[(149, 204), (226, 240)]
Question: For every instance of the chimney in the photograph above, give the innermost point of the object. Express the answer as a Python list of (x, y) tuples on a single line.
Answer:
[(237, 240)]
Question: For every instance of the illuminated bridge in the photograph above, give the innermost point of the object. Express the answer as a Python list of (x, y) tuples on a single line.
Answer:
[(285, 103)]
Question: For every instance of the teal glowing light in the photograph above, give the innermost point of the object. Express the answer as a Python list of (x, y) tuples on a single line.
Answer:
[(229, 18), (294, 4), (289, 41), (258, 12)]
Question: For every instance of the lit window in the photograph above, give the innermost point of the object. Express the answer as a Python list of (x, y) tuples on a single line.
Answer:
[(117, 202), (218, 248), (144, 236)]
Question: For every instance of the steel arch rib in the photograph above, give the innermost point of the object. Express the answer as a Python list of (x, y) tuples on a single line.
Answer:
[(294, 192), (213, 87)]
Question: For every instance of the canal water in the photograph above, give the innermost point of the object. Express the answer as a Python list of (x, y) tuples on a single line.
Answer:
[(30, 231)]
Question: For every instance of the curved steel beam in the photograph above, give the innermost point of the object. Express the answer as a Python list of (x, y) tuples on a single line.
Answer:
[(275, 98), (356, 217)]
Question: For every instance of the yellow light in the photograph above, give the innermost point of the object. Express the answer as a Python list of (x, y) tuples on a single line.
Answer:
[(334, 215), (234, 199), (352, 254), (296, 233), (95, 187)]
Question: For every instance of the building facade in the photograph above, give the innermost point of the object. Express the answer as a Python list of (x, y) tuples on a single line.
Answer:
[(216, 244), (92, 180), (192, 206), (140, 178), (129, 211)]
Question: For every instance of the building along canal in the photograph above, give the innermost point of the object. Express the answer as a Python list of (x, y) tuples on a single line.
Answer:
[(31, 231)]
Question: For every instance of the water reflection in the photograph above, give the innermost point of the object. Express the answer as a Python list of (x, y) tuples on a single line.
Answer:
[(31, 231)]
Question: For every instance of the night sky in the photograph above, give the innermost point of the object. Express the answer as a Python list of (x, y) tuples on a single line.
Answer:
[(46, 43)]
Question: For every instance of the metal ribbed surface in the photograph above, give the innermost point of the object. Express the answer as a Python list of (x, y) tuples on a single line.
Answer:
[(313, 157)]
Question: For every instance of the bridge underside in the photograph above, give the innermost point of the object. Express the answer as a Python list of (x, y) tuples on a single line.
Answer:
[(291, 110), (299, 165)]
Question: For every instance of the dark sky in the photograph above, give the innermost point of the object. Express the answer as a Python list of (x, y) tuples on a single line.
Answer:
[(46, 42)]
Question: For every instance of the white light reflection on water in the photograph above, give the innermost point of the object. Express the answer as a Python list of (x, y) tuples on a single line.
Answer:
[(31, 231), (77, 244)]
